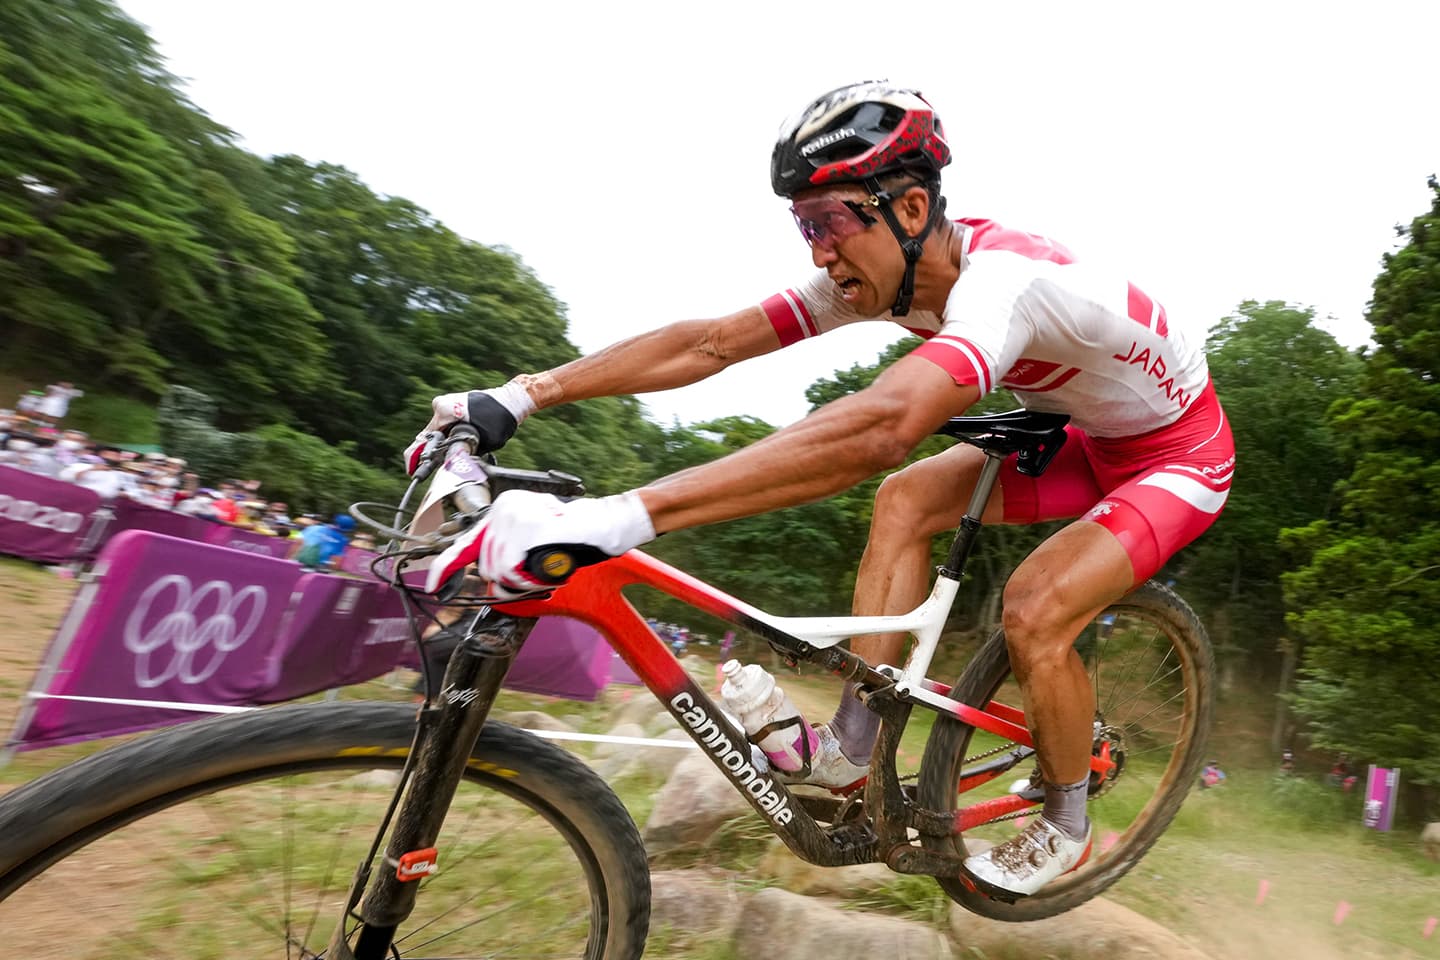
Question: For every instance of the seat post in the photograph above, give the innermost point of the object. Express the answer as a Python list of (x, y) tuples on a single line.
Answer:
[(970, 524)]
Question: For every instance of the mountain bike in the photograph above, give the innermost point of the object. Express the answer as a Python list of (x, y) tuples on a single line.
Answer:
[(256, 833)]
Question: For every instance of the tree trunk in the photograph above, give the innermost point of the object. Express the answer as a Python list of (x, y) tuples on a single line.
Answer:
[(1280, 735)]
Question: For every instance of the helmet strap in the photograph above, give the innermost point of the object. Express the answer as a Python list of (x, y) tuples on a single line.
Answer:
[(912, 247)]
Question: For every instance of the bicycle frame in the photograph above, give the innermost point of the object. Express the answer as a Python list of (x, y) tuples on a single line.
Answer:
[(594, 595)]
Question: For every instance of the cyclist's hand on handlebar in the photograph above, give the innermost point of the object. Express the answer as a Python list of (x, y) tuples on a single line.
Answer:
[(533, 541), (494, 413)]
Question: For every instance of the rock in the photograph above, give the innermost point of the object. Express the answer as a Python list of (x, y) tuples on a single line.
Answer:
[(375, 780), (703, 902), (692, 805), (603, 750), (800, 876), (535, 720), (780, 925), (702, 670), (640, 708), (1098, 930), (1430, 840), (658, 762)]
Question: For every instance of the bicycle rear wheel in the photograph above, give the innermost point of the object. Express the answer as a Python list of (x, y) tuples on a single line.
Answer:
[(1152, 669), (239, 836)]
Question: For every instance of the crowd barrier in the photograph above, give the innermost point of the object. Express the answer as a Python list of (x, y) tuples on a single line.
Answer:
[(43, 519), (51, 521), (165, 629)]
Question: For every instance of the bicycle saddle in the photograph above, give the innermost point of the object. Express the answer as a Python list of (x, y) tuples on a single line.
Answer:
[(1035, 436)]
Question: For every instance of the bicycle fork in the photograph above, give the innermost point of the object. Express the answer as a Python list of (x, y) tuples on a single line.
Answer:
[(449, 729)]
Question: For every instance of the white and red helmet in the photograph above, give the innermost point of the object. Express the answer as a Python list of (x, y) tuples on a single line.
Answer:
[(857, 133)]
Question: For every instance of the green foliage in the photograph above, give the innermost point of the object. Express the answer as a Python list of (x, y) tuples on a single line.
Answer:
[(1367, 599), (1275, 373), (186, 419), (313, 477)]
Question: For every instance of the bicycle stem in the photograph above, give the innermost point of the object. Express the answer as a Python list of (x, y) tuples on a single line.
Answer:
[(450, 730)]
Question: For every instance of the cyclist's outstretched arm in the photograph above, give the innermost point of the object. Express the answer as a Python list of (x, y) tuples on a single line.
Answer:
[(672, 356), (836, 447)]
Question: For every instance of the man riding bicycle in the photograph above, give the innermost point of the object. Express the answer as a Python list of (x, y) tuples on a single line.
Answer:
[(1146, 469)]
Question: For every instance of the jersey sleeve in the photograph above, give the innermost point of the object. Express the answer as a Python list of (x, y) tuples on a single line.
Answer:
[(809, 310), (984, 330)]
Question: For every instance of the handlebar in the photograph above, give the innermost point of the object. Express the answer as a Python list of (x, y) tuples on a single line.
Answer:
[(549, 563)]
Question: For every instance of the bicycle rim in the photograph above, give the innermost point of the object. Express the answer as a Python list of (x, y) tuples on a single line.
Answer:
[(256, 860), (1152, 669)]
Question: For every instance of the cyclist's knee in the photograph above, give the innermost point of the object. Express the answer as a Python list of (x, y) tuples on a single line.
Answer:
[(920, 501), (1036, 616)]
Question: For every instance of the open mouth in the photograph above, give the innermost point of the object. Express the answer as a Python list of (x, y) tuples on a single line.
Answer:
[(849, 287)]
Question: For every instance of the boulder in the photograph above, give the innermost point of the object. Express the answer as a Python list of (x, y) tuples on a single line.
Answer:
[(1430, 840), (658, 762), (1098, 930), (800, 876), (692, 805), (780, 925), (701, 902), (603, 750)]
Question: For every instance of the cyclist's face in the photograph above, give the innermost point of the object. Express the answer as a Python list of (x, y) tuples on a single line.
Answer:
[(849, 242)]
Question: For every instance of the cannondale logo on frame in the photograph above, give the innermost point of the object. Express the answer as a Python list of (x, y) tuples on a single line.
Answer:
[(191, 641)]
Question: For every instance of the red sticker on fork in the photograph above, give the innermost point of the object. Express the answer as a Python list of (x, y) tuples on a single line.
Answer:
[(417, 864)]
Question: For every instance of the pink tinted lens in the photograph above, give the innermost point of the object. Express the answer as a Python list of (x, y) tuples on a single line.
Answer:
[(823, 223)]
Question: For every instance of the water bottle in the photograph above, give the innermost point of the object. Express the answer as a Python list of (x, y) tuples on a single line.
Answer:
[(752, 695)]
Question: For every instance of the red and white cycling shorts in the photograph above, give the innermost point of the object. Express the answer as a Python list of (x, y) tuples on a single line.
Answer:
[(1155, 492)]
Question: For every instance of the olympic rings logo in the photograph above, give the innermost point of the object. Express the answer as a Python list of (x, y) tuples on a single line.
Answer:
[(186, 634)]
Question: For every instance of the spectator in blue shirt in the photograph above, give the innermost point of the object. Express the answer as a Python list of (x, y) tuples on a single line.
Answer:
[(321, 543)]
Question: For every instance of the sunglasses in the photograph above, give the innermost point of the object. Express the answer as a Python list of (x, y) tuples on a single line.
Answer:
[(825, 221)]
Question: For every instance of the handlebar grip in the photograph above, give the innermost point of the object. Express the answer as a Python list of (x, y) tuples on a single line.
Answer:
[(465, 433), (552, 563)]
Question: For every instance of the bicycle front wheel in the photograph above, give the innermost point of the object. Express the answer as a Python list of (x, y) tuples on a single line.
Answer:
[(1152, 670), (239, 837)]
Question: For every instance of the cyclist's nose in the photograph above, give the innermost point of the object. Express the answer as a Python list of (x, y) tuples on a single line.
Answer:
[(823, 254)]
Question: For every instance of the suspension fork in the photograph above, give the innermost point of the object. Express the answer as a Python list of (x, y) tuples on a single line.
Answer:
[(449, 729)]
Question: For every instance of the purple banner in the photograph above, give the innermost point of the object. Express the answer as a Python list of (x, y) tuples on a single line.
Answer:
[(165, 620), (166, 624), (133, 515), (224, 535), (43, 519), (356, 561), (338, 631), (1382, 786), (562, 658)]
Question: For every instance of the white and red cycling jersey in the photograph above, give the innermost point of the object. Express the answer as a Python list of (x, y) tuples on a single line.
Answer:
[(1069, 337)]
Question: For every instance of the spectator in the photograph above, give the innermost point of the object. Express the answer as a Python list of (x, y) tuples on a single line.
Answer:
[(321, 543), (55, 403), (224, 505), (1212, 775)]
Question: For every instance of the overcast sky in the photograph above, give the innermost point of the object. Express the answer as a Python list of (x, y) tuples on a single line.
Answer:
[(1219, 151)]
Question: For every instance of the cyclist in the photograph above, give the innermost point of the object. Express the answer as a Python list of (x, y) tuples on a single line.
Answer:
[(1147, 467)]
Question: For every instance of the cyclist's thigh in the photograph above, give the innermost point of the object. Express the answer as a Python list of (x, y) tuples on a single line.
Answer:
[(931, 495), (1162, 506), (1065, 490)]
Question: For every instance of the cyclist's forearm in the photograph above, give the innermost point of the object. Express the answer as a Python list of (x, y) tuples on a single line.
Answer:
[(827, 452), (672, 356)]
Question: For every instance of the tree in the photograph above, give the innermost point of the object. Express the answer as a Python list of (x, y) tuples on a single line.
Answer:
[(1367, 599), (1275, 373)]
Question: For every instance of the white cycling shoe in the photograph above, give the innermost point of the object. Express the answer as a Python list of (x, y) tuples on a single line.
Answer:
[(1027, 861), (829, 767)]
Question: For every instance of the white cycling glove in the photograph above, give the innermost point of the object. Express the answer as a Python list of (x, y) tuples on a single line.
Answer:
[(495, 413), (506, 544)]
